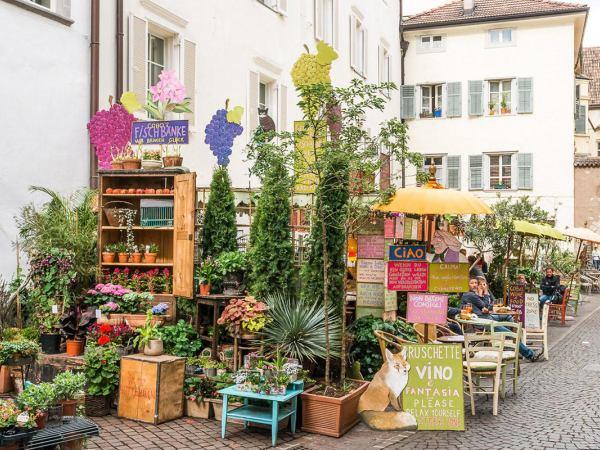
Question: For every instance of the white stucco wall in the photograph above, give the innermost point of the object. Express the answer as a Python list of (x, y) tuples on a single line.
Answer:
[(544, 52), (44, 87)]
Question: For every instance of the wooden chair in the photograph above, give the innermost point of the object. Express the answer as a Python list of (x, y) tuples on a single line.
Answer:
[(385, 339), (435, 331), (537, 338), (510, 355), (575, 297), (558, 311), (488, 365)]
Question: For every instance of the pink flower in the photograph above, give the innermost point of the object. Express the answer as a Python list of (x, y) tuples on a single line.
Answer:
[(92, 292), (168, 88), (110, 132)]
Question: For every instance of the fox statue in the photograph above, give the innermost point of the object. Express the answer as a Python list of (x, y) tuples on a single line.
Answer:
[(387, 385)]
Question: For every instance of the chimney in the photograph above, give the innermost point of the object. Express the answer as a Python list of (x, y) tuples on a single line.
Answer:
[(469, 6)]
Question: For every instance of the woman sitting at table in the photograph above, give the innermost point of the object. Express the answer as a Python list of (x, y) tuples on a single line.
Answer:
[(490, 300), (483, 310)]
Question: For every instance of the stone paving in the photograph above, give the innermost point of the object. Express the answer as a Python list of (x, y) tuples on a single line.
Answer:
[(557, 406)]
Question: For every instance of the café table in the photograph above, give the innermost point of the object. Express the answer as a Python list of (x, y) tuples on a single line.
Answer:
[(476, 322), (453, 339)]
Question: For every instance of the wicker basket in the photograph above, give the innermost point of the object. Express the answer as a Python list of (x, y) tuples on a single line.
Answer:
[(97, 405), (113, 216)]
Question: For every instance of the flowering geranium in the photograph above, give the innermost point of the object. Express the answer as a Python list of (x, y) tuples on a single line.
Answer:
[(103, 340), (110, 133), (120, 334), (105, 294)]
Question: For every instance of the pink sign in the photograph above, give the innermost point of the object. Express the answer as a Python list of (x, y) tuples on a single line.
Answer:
[(388, 228), (427, 308), (371, 246), (407, 275)]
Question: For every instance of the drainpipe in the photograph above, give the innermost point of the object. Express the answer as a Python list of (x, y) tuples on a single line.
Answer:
[(94, 81), (403, 49), (120, 37)]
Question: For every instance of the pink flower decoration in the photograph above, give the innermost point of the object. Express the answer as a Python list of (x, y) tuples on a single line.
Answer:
[(110, 132), (168, 88)]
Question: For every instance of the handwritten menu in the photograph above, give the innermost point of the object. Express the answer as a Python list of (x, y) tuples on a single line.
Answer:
[(371, 246), (448, 277), (400, 226), (532, 311), (427, 308), (516, 299), (370, 294), (370, 271), (407, 276), (389, 226)]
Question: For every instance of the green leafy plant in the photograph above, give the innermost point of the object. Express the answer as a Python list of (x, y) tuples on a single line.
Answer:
[(69, 385), (151, 248), (231, 262), (219, 233), (135, 302), (101, 369), (199, 389), (18, 349), (148, 332), (208, 272), (111, 248), (180, 339), (296, 329), (151, 155), (37, 397), (121, 247)]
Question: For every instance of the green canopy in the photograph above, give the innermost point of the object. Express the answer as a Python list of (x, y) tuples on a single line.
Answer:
[(537, 229)]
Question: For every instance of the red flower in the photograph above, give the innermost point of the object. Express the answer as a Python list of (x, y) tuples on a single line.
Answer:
[(105, 328), (103, 361), (103, 340)]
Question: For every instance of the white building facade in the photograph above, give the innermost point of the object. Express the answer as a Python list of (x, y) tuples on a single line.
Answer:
[(489, 97)]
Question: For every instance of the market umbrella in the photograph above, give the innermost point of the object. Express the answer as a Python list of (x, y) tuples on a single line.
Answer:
[(583, 234)]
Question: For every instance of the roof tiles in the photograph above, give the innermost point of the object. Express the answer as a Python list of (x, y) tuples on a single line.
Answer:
[(591, 69)]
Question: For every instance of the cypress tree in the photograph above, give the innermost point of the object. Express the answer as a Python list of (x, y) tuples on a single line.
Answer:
[(220, 231)]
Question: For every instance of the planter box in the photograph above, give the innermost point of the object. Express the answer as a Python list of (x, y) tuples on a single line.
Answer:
[(200, 410), (328, 415), (217, 405)]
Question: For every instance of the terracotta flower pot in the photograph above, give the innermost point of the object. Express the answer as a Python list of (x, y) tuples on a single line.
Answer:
[(69, 407), (123, 257), (40, 420), (75, 347), (505, 111), (172, 161), (117, 165), (150, 258), (132, 164), (154, 347), (108, 257), (136, 257), (205, 289)]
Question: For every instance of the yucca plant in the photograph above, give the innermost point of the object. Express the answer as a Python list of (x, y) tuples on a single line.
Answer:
[(297, 329)]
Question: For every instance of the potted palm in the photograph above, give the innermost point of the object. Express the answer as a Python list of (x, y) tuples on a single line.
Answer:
[(148, 340), (69, 389)]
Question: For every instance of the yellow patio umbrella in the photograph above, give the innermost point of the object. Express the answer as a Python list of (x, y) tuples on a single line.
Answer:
[(434, 199)]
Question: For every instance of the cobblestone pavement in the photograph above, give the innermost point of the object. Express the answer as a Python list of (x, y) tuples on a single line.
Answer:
[(557, 406)]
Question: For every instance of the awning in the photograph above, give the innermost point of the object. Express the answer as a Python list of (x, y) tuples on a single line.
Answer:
[(537, 229)]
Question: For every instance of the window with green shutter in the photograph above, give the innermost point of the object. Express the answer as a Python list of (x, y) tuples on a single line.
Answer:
[(475, 98), (407, 105), (453, 172), (454, 94), (580, 120), (525, 86), (475, 172), (525, 171)]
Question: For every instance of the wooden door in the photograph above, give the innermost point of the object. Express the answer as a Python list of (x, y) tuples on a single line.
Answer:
[(185, 219)]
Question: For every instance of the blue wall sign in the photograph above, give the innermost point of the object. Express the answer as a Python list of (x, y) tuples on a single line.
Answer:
[(173, 132), (408, 253)]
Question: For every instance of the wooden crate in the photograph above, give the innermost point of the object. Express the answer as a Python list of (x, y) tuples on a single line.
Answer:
[(151, 388)]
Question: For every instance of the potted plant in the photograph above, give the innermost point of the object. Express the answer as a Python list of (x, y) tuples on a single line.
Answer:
[(117, 162), (101, 370), (173, 158), (18, 352), (222, 382), (207, 273), (150, 253), (37, 399), (148, 340), (49, 334), (108, 255), (244, 317), (425, 115), (151, 159), (17, 427), (121, 249), (492, 108), (503, 105), (74, 325), (209, 367), (69, 389), (136, 255), (131, 160), (193, 365), (232, 267), (197, 391)]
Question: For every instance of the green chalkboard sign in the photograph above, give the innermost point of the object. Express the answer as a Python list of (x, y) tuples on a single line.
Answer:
[(434, 393)]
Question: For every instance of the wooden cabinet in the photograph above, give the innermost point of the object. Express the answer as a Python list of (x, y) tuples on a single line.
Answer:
[(151, 388), (173, 232)]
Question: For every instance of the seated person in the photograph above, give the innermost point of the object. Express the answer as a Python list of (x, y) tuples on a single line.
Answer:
[(549, 286), (489, 300), (453, 326)]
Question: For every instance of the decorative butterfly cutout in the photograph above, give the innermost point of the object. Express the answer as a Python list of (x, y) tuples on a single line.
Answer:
[(325, 53), (235, 115)]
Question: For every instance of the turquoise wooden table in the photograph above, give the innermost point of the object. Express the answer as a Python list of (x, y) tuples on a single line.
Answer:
[(282, 406)]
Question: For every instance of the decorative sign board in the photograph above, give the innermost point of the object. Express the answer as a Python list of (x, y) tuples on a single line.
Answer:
[(389, 226), (371, 246), (407, 253), (516, 299), (434, 393), (407, 275), (370, 271), (160, 132), (427, 308), (532, 311), (400, 226), (370, 294), (449, 277)]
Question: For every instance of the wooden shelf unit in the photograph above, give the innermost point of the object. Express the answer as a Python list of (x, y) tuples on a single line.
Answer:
[(176, 243)]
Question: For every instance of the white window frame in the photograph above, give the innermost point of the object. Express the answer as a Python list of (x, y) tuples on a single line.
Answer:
[(500, 93), (512, 178), (273, 5), (434, 97), (51, 5), (385, 66), (431, 43), (358, 34), (502, 42), (322, 7), (440, 170), (153, 35)]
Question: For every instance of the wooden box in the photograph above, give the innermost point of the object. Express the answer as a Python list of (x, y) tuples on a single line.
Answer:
[(151, 388)]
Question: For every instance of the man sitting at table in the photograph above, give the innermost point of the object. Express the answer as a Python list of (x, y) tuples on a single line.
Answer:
[(483, 310), (549, 286)]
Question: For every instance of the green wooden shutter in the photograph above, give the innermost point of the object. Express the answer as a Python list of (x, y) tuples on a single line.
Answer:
[(475, 172), (454, 102), (476, 98), (524, 171), (525, 86), (580, 120), (453, 172), (407, 105)]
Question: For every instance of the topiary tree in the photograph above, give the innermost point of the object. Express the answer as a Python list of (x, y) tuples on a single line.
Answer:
[(271, 250), (220, 231)]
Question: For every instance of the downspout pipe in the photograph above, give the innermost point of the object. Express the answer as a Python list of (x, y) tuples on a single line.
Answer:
[(94, 81), (119, 52), (403, 48)]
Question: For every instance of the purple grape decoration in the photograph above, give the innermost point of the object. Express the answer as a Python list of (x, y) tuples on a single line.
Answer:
[(220, 133)]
